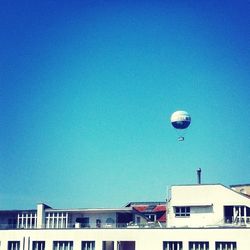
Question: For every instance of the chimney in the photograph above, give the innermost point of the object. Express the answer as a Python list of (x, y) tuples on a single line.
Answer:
[(199, 175)]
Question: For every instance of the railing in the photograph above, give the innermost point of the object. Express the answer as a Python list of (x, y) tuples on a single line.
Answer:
[(240, 221), (10, 226), (88, 226)]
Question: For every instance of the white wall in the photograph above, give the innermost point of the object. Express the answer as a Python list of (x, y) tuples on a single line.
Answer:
[(206, 203), (146, 239), (40, 215)]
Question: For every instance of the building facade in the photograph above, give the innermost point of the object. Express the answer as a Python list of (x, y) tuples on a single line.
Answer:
[(198, 217), (207, 205)]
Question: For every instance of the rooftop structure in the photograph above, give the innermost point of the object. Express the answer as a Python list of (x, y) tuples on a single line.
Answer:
[(206, 206), (242, 188), (149, 214)]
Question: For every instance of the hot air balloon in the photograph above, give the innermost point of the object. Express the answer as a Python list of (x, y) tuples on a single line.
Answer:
[(180, 120)]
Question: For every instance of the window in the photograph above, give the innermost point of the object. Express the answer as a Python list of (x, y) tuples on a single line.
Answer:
[(26, 220), (56, 220), (38, 245), (172, 245), (198, 245), (108, 245), (182, 211), (14, 245), (126, 245), (237, 214), (88, 245), (63, 245), (225, 246)]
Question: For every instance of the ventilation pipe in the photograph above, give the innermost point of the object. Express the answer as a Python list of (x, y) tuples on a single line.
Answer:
[(199, 175)]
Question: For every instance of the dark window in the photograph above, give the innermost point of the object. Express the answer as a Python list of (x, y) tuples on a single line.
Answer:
[(63, 245), (126, 245), (201, 245), (172, 245), (182, 211), (38, 245), (108, 245), (14, 245), (225, 245), (88, 245)]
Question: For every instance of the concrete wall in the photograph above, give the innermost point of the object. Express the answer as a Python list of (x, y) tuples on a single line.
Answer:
[(206, 203), (145, 239)]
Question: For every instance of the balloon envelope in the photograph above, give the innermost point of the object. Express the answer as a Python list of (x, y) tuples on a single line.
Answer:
[(180, 119)]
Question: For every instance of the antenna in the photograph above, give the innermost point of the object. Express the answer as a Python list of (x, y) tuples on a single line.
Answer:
[(199, 175)]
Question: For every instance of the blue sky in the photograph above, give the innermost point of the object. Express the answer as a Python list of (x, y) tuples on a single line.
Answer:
[(87, 89)]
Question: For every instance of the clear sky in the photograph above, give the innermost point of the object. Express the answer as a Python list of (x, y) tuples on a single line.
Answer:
[(88, 87)]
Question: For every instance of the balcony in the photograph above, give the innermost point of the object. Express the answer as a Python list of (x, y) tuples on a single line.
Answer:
[(78, 225), (238, 221)]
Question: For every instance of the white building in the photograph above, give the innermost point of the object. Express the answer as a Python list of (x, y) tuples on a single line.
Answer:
[(200, 217), (207, 205), (242, 188)]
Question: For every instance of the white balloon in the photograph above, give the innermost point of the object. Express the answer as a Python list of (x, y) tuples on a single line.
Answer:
[(180, 119)]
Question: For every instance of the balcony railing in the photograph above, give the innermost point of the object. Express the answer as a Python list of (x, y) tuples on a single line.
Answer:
[(240, 221), (87, 226)]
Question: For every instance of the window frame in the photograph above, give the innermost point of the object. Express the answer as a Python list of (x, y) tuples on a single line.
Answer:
[(225, 245), (182, 211), (173, 245), (15, 245), (62, 244), (203, 245)]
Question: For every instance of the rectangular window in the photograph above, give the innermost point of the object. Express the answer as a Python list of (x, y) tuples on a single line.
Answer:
[(56, 220), (26, 220), (108, 245), (126, 245), (14, 245), (194, 245), (247, 215), (63, 245), (182, 211), (225, 246), (88, 245), (38, 245), (172, 245)]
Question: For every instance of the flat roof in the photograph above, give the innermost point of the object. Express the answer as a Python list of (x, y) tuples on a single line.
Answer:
[(240, 185), (91, 210), (145, 203)]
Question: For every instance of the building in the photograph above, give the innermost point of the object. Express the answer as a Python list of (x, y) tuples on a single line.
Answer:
[(199, 217), (143, 214), (207, 205), (149, 214), (242, 188)]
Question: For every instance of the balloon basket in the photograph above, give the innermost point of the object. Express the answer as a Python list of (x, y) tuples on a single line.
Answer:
[(181, 138)]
